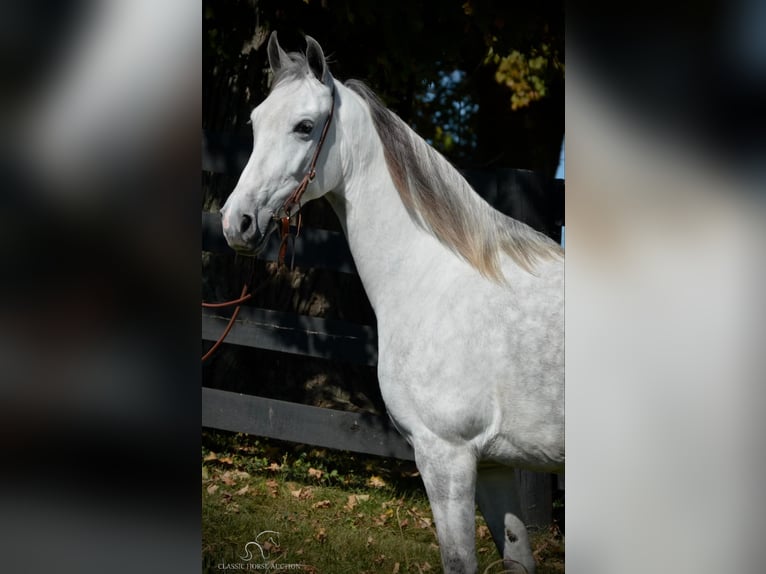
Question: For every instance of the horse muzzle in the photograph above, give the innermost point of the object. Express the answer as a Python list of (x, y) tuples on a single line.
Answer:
[(243, 232)]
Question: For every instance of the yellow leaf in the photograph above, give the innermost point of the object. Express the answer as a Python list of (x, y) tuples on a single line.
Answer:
[(376, 482), (210, 456)]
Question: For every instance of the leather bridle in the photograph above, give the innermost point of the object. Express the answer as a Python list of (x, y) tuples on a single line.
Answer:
[(283, 217)]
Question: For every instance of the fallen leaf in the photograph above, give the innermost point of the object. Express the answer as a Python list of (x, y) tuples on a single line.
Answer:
[(243, 490), (273, 488), (376, 482), (321, 535), (321, 504), (396, 568), (404, 523), (212, 488), (274, 467), (303, 493), (315, 473), (425, 567), (269, 547), (210, 456), (227, 478), (351, 503), (482, 531), (363, 497), (370, 541)]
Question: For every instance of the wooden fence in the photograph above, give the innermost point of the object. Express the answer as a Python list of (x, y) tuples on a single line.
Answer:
[(521, 194)]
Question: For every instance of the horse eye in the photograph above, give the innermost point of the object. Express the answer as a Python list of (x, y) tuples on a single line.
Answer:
[(304, 127)]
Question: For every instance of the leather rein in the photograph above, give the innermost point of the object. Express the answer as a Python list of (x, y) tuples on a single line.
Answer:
[(283, 217)]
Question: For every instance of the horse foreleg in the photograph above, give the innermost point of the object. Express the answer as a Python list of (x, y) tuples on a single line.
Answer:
[(498, 501), (449, 475)]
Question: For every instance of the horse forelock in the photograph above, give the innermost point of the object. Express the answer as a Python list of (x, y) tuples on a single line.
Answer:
[(441, 201), (295, 68)]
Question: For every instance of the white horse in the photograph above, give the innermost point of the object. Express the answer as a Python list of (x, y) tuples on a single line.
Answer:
[(469, 302)]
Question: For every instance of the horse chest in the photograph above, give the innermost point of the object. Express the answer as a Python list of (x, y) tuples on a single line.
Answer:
[(471, 370), (436, 373)]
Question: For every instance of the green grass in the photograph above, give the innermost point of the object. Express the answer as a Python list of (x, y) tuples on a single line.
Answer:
[(335, 513)]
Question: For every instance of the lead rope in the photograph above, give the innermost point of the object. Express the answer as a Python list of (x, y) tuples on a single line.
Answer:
[(286, 237), (244, 296), (284, 232)]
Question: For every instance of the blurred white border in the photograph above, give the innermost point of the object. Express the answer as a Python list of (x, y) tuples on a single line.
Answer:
[(663, 324)]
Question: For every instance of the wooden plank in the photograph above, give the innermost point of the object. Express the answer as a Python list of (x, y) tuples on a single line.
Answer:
[(536, 497), (225, 153), (355, 432), (296, 334), (313, 248)]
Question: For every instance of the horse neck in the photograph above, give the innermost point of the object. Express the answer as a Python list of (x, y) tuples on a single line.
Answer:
[(392, 254)]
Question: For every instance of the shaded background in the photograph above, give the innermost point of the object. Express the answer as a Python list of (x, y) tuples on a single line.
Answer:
[(445, 68), (433, 63)]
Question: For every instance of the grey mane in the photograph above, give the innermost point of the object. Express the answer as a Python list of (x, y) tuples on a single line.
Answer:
[(441, 201)]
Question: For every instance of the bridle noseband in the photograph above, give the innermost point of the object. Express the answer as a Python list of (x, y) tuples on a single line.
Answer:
[(284, 215)]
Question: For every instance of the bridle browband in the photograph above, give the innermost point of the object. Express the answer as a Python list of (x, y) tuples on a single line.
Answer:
[(283, 218), (284, 215)]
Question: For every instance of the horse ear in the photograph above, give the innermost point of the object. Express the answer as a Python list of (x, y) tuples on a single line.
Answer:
[(315, 59), (277, 56)]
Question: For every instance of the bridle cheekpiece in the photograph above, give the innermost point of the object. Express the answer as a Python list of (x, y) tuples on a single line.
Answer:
[(284, 215)]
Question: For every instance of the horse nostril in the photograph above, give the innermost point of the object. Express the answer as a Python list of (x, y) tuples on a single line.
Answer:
[(245, 224)]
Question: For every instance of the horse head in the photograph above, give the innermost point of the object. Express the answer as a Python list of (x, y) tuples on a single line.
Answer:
[(293, 159)]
